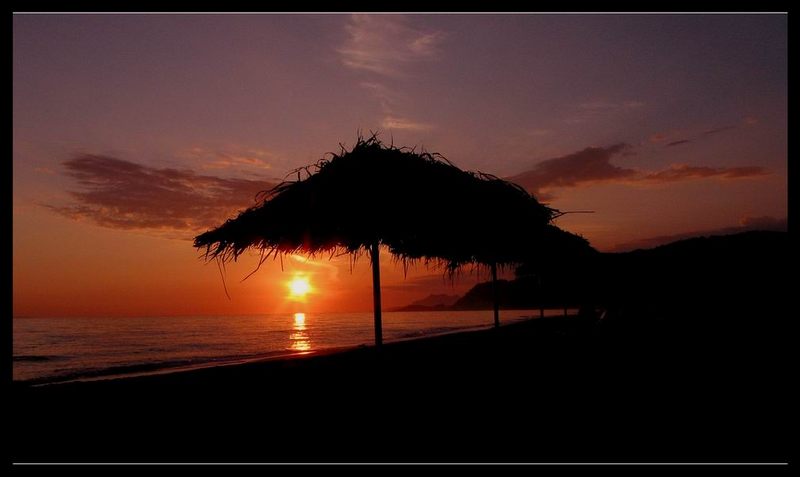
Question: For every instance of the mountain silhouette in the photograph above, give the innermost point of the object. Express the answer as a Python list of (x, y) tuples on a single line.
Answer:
[(719, 279), (430, 303)]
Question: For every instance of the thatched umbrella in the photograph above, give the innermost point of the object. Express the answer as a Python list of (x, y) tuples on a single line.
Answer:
[(560, 253), (419, 205)]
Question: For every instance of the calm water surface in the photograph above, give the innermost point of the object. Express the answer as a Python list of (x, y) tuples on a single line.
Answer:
[(56, 349)]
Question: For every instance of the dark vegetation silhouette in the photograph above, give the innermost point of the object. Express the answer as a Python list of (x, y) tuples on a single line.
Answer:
[(432, 302), (712, 284), (725, 286)]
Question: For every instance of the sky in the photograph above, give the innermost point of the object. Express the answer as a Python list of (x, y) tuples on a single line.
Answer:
[(134, 133)]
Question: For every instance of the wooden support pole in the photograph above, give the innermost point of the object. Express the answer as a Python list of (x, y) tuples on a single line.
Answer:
[(496, 296), (376, 292)]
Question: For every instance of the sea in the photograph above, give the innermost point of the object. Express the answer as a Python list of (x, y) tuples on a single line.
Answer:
[(50, 350)]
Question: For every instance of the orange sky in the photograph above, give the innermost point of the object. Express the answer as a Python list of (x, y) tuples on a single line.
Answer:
[(96, 271), (133, 133)]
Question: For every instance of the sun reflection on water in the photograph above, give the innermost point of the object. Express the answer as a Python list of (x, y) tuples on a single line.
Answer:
[(299, 337), (299, 321)]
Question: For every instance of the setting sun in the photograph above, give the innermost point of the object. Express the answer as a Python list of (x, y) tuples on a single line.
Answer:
[(299, 287)]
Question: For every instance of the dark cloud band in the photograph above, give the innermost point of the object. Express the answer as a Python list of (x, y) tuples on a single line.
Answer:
[(121, 194), (593, 165)]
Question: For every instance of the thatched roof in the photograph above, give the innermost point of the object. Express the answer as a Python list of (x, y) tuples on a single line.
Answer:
[(417, 204), (557, 249)]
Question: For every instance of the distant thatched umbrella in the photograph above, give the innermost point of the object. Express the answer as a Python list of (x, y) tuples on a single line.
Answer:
[(557, 247), (559, 253), (418, 205)]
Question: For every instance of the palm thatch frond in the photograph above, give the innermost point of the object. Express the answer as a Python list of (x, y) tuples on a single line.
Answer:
[(418, 204)]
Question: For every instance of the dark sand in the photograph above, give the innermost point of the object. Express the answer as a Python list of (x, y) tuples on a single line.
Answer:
[(549, 390)]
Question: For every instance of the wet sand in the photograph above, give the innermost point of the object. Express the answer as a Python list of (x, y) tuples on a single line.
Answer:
[(546, 390)]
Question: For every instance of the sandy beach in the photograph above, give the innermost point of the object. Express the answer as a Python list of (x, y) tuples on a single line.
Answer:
[(545, 390)]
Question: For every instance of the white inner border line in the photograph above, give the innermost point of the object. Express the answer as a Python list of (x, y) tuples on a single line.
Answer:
[(401, 13), (415, 463)]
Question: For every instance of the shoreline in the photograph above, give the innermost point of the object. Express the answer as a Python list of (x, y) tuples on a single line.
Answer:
[(153, 368), (548, 390), (278, 358)]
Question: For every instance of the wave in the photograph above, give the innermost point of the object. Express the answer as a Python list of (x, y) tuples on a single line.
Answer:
[(152, 367)]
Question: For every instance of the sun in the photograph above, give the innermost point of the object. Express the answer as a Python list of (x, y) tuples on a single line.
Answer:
[(299, 287)]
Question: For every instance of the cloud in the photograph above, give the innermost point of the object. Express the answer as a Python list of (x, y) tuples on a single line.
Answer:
[(678, 138), (541, 132), (590, 165), (600, 109), (602, 105), (387, 97), (125, 195), (632, 104), (243, 160), (386, 44), (593, 165), (386, 48), (717, 130), (226, 161), (678, 143), (745, 224), (390, 122), (681, 172), (658, 138)]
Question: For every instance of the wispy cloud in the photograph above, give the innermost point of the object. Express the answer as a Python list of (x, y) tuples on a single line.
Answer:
[(600, 109), (681, 172), (593, 165), (386, 44), (709, 132), (226, 161), (632, 104), (386, 49), (602, 105), (387, 97), (677, 138), (678, 143), (391, 122), (246, 160), (657, 138), (120, 194), (541, 132)]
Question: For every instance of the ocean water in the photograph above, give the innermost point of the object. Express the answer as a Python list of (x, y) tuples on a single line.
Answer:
[(64, 349)]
